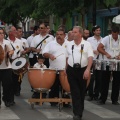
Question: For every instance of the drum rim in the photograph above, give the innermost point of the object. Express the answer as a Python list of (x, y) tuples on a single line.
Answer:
[(18, 67)]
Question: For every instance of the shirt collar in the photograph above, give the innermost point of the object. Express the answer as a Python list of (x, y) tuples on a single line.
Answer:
[(82, 42)]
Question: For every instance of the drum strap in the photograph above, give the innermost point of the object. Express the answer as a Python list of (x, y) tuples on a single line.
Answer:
[(82, 46), (14, 49), (72, 53), (20, 77), (42, 41), (12, 46), (6, 56)]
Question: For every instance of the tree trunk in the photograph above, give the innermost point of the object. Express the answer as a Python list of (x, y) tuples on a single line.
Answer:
[(24, 28), (94, 12)]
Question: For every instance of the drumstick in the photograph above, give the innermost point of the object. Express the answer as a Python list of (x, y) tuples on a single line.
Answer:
[(59, 55)]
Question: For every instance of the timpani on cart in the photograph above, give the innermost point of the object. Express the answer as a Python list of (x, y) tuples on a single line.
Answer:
[(42, 80)]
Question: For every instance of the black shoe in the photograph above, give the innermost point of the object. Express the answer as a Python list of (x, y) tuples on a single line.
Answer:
[(7, 104), (12, 103), (115, 103), (76, 117), (100, 102), (96, 98), (67, 106), (90, 99), (17, 94), (36, 95), (53, 104)]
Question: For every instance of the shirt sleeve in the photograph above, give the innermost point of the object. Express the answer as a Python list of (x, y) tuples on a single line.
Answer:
[(9, 46), (32, 43), (104, 41), (46, 49), (90, 51), (26, 44)]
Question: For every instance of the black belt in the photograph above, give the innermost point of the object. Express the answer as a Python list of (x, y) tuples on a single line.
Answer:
[(77, 69)]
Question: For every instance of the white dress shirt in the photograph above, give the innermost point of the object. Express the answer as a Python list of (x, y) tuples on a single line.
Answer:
[(29, 40), (94, 43), (24, 43), (59, 51), (111, 46), (37, 65), (76, 56), (38, 38), (17, 47)]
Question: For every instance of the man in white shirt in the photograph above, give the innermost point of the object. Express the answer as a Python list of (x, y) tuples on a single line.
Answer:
[(36, 31), (18, 51), (25, 45), (56, 52), (110, 48), (44, 38), (96, 78), (80, 58), (6, 71), (86, 34), (38, 43)]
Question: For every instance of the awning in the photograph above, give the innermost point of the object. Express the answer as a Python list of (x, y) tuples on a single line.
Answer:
[(116, 19)]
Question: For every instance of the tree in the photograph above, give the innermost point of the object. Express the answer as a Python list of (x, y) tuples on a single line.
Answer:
[(13, 11), (62, 7)]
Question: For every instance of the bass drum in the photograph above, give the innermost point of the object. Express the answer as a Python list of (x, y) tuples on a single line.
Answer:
[(1, 54), (64, 81), (41, 78), (20, 65)]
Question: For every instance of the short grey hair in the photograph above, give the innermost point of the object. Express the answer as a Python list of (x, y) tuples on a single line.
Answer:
[(9, 29), (80, 29)]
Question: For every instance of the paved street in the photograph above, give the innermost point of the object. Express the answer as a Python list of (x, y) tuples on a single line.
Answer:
[(23, 111)]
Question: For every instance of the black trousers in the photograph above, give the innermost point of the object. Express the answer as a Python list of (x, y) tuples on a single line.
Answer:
[(94, 88), (78, 88), (16, 82), (6, 82), (55, 88), (33, 60), (115, 85)]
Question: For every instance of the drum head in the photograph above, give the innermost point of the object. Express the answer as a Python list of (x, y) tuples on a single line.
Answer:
[(18, 63)]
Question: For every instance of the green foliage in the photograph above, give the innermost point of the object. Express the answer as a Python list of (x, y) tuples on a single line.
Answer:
[(13, 11), (110, 2)]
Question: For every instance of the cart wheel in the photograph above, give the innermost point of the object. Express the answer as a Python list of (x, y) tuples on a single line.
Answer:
[(32, 105), (60, 107)]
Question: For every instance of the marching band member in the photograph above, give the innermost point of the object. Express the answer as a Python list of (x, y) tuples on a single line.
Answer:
[(36, 31), (36, 47), (70, 36), (110, 48), (18, 50), (86, 34), (6, 71), (96, 78), (56, 52), (24, 41), (80, 57), (38, 44)]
